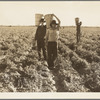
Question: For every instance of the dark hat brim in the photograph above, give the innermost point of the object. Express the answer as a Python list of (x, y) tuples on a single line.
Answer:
[(42, 20), (54, 22)]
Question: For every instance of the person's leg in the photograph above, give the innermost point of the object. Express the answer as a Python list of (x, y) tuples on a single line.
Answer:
[(49, 50), (39, 49), (54, 52), (77, 36), (44, 50)]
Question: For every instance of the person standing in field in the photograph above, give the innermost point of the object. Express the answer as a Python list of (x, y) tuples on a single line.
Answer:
[(52, 36), (78, 29), (39, 37)]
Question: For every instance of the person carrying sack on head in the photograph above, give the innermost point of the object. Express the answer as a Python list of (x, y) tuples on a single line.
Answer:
[(52, 36), (39, 36), (78, 34), (78, 29)]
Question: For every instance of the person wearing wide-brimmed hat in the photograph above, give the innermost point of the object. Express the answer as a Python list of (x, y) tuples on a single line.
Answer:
[(52, 36), (39, 36)]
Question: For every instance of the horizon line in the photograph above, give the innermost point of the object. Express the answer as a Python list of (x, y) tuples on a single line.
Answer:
[(36, 26)]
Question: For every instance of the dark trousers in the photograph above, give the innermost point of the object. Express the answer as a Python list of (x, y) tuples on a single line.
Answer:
[(78, 35), (52, 53), (41, 46)]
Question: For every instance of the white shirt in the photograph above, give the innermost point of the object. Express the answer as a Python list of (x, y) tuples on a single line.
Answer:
[(52, 35)]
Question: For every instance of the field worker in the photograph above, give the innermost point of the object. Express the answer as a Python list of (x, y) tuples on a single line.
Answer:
[(78, 29), (39, 36), (52, 36)]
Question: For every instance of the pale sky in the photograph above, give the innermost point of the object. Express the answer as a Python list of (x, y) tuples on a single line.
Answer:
[(23, 12)]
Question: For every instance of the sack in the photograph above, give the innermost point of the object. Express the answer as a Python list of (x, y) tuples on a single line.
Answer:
[(76, 20), (38, 18), (34, 44), (48, 19)]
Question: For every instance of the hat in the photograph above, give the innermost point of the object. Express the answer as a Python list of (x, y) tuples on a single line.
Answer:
[(53, 22), (42, 20)]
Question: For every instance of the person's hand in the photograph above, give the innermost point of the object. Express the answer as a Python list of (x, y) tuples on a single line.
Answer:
[(53, 14), (80, 23)]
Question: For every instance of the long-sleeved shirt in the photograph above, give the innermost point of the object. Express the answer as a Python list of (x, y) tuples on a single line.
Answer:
[(40, 33)]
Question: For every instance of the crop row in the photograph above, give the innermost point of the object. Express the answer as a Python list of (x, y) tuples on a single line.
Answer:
[(69, 78), (20, 70), (91, 79)]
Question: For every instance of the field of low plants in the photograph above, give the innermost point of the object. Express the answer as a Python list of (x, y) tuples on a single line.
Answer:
[(77, 65)]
